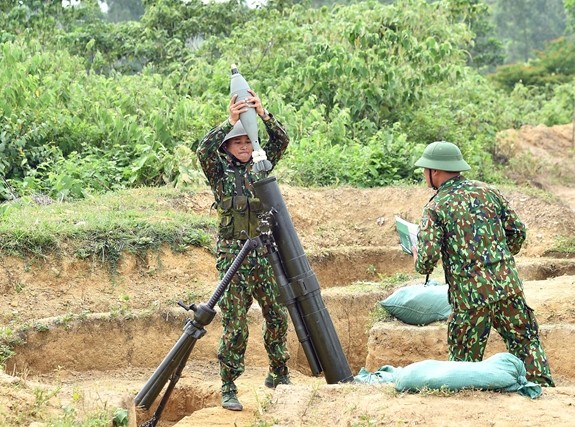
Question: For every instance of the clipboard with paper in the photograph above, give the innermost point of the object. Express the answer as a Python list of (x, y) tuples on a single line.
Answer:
[(407, 234)]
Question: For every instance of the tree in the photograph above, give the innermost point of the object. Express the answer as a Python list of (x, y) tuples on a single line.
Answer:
[(43, 19), (526, 25), (570, 14), (124, 10), (487, 50)]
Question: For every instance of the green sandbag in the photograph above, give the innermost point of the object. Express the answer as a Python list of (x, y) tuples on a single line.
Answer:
[(419, 304), (384, 375), (502, 371)]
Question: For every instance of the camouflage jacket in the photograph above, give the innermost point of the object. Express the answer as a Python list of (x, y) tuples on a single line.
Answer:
[(222, 171), (471, 226)]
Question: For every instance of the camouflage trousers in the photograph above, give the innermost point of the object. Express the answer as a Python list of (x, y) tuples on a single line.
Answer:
[(468, 331), (254, 280)]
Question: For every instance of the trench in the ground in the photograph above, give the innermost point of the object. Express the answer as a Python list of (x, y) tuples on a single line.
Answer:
[(104, 342)]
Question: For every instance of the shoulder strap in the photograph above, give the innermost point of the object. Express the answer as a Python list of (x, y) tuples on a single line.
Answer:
[(239, 182)]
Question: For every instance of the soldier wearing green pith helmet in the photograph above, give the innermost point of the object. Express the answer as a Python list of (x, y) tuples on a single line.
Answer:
[(470, 226), (225, 154)]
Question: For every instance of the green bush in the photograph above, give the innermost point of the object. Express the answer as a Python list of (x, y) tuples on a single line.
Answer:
[(553, 66), (551, 105)]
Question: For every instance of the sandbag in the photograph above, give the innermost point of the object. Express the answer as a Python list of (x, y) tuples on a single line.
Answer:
[(384, 375), (419, 304), (502, 371)]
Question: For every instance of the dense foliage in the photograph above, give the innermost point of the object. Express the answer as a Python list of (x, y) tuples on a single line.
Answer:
[(92, 105), (545, 85)]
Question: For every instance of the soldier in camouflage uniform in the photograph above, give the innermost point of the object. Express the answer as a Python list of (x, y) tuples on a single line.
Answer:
[(225, 154), (472, 228)]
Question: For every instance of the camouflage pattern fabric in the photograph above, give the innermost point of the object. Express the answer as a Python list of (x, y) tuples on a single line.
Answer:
[(254, 280), (470, 226), (468, 331)]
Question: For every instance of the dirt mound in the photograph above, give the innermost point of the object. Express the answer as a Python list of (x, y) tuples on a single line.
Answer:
[(540, 156)]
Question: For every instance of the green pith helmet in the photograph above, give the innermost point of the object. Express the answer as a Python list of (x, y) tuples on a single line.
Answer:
[(443, 156), (237, 130)]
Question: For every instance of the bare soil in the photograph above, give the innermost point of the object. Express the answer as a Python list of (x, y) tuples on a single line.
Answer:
[(98, 337)]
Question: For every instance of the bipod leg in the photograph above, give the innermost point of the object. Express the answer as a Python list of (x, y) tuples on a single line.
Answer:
[(174, 363), (174, 378)]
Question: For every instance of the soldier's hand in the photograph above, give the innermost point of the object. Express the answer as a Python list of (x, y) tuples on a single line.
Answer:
[(236, 108), (255, 102)]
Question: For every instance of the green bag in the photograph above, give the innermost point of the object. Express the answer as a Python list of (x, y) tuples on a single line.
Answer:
[(502, 371), (419, 304), (384, 375)]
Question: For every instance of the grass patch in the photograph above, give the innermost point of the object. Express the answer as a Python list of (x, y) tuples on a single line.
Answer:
[(9, 338), (102, 227), (386, 283), (37, 405), (398, 279), (378, 314), (563, 245), (530, 190)]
